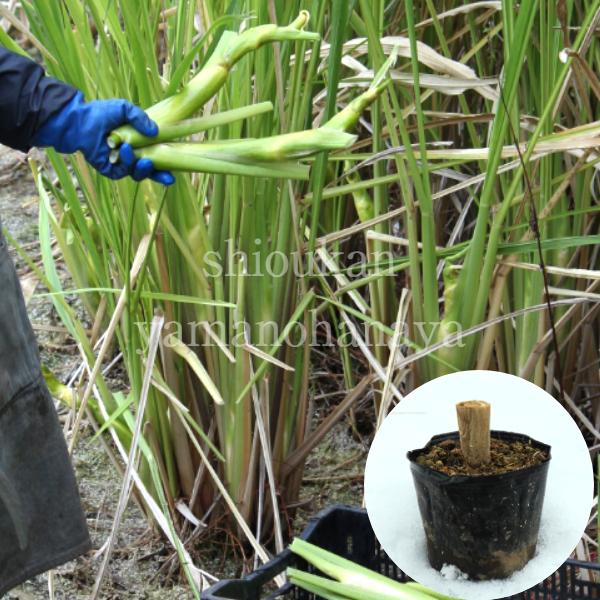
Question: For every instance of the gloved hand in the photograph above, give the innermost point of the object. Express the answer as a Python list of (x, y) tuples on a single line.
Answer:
[(84, 126)]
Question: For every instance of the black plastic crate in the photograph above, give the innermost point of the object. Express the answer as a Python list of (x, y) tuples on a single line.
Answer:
[(347, 532)]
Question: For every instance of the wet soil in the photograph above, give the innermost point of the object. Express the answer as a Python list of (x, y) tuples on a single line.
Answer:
[(505, 457)]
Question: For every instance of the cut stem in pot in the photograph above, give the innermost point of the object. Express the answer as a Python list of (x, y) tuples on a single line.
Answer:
[(480, 495)]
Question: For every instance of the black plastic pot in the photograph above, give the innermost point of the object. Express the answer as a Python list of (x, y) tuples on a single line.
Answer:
[(485, 525)]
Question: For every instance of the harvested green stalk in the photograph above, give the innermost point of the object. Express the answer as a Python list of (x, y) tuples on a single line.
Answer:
[(169, 133), (230, 49), (267, 157), (189, 157), (351, 580)]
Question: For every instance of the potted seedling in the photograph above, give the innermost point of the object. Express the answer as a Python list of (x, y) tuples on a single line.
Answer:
[(480, 495)]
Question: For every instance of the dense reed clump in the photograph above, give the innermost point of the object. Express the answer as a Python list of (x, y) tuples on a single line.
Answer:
[(471, 121)]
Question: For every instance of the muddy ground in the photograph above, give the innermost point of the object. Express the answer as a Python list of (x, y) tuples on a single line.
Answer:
[(333, 474)]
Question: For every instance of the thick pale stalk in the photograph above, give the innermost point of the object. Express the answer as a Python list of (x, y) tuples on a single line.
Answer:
[(185, 157), (348, 117), (474, 429), (267, 157)]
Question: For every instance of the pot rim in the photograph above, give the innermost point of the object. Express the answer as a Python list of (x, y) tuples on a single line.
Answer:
[(444, 477)]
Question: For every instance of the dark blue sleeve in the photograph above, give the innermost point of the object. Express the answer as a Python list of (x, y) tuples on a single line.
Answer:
[(27, 99)]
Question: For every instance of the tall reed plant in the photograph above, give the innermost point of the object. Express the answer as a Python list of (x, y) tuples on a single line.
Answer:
[(218, 255)]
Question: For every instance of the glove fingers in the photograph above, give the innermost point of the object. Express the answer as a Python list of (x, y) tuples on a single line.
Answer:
[(126, 155), (117, 171), (139, 120), (163, 177), (142, 169)]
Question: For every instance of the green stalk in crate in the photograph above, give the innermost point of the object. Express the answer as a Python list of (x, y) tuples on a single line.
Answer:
[(351, 580)]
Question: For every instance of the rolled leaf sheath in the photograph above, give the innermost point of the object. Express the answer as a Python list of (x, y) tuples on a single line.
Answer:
[(281, 147), (254, 38), (348, 117), (273, 148), (363, 203)]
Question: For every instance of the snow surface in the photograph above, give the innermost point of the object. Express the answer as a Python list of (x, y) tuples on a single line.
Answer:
[(517, 405), (452, 572)]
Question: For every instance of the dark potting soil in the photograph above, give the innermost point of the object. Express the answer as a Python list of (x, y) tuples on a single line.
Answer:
[(505, 457)]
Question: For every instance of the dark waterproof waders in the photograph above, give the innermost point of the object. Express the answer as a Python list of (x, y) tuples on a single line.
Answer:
[(41, 521)]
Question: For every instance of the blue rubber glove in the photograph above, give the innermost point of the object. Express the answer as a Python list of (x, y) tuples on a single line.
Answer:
[(84, 126)]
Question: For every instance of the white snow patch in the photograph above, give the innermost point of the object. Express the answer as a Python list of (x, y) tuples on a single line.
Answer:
[(452, 572)]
